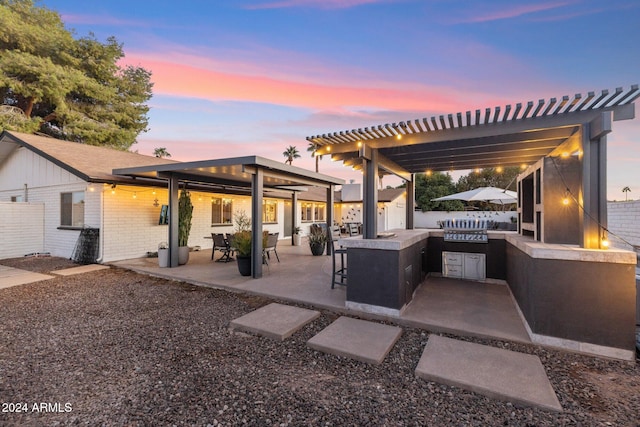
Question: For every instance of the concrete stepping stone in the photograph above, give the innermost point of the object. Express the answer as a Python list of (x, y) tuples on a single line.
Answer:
[(14, 276), (79, 270), (361, 340), (501, 374), (276, 321)]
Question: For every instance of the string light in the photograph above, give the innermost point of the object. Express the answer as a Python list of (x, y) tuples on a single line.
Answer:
[(135, 195), (604, 242), (399, 137), (565, 199)]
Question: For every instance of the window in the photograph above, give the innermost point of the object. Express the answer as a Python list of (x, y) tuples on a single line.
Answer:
[(313, 212), (17, 199), (221, 211), (269, 211), (307, 212), (319, 212), (72, 209)]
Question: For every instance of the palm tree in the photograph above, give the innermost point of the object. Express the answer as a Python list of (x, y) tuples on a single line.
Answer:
[(313, 148), (161, 152), (626, 190), (291, 153)]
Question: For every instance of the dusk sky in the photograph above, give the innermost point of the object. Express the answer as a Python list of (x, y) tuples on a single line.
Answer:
[(243, 77)]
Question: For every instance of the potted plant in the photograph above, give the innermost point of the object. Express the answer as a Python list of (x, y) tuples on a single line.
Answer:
[(242, 242), (163, 254), (296, 236), (317, 240), (185, 213)]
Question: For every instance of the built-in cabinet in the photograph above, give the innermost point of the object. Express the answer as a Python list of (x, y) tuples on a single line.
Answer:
[(464, 265)]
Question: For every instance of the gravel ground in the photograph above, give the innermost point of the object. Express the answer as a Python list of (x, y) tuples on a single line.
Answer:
[(118, 348)]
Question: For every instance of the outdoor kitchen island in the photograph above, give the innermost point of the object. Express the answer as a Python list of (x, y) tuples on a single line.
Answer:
[(569, 297), (383, 273)]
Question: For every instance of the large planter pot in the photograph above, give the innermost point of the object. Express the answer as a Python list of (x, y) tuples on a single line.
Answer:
[(244, 265), (296, 239), (317, 248), (183, 255)]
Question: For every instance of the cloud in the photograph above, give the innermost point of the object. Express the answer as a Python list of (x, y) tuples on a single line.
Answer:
[(318, 4), (183, 79), (103, 20), (516, 11)]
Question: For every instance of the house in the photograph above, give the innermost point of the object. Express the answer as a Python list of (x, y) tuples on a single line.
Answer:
[(65, 187)]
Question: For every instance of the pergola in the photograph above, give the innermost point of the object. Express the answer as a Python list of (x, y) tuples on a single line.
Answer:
[(513, 136), (258, 173)]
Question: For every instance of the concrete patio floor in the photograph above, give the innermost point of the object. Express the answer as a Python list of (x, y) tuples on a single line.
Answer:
[(444, 305)]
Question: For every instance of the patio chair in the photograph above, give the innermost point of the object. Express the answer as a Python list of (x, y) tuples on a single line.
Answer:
[(221, 244), (272, 242), (353, 229), (339, 276), (335, 231)]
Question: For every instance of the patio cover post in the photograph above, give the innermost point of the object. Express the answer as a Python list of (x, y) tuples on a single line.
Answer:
[(173, 220), (410, 202), (329, 218), (370, 195), (594, 179), (257, 181), (294, 214)]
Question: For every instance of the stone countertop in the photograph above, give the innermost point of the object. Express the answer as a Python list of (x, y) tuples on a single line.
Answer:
[(405, 238), (398, 239)]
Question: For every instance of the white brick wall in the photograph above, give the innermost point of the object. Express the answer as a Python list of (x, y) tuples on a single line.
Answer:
[(624, 223), (21, 228)]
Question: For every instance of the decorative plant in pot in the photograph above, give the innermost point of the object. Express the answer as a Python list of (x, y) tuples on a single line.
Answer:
[(317, 240), (185, 213), (242, 242), (296, 236)]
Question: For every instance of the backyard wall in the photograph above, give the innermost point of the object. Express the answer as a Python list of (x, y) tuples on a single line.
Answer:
[(624, 221), (21, 228)]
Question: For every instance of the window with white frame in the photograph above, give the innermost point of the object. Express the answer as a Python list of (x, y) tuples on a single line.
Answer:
[(269, 211), (221, 211), (307, 212), (318, 211), (72, 209), (313, 211)]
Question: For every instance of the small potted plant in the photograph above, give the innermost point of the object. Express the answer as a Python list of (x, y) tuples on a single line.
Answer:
[(163, 255), (242, 242), (297, 236), (317, 240)]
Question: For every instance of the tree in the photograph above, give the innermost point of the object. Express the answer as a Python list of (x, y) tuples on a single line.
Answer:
[(490, 177), (69, 88), (626, 191), (438, 184), (291, 153), (161, 152), (313, 148)]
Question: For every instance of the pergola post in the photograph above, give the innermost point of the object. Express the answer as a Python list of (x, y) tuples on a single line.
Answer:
[(257, 181), (330, 203), (594, 180), (173, 220), (370, 196), (410, 202), (294, 214)]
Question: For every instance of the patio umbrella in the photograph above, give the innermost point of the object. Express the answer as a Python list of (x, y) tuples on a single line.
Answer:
[(486, 194)]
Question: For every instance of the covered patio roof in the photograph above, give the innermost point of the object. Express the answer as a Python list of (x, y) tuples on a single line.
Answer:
[(257, 173)]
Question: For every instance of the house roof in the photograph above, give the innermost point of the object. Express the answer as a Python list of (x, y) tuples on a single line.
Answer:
[(512, 136), (88, 162)]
